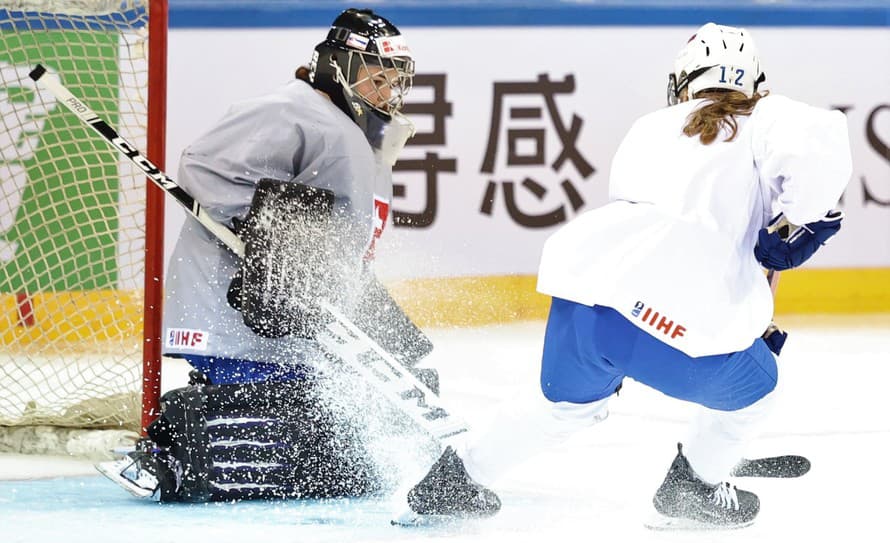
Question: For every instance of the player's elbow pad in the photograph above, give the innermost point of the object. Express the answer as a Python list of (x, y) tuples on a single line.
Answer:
[(786, 248)]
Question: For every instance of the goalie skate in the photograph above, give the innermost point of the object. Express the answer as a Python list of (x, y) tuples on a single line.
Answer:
[(132, 473)]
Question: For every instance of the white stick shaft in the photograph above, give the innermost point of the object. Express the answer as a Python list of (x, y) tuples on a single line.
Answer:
[(52, 83), (376, 365)]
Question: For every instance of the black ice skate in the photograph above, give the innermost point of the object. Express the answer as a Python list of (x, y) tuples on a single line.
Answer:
[(447, 490), (687, 502)]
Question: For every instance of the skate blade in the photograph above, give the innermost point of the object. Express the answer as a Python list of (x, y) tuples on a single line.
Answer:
[(112, 472), (662, 523), (409, 519)]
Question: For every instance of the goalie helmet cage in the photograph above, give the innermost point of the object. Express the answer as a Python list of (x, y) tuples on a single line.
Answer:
[(81, 229)]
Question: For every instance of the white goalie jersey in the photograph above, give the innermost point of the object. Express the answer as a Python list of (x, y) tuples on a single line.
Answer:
[(673, 250)]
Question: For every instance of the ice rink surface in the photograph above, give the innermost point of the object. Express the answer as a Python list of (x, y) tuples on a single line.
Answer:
[(833, 408)]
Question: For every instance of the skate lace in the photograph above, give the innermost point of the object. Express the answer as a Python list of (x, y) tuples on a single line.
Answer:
[(725, 496), (140, 476)]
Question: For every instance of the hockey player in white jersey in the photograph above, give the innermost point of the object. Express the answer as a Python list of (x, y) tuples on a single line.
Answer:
[(665, 284), (304, 176)]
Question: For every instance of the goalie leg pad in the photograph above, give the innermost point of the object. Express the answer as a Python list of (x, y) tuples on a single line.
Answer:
[(277, 440), (258, 441)]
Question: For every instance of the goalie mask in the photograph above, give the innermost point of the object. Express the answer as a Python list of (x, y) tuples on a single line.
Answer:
[(716, 57), (366, 68)]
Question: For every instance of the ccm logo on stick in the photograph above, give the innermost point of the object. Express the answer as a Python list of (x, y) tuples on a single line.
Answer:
[(660, 322)]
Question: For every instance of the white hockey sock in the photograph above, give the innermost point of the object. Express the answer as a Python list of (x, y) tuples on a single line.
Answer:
[(518, 432), (718, 438)]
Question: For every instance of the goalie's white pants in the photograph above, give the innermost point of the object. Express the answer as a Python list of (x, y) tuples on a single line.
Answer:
[(714, 446)]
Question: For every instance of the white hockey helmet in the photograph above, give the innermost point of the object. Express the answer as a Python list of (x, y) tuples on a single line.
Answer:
[(716, 57)]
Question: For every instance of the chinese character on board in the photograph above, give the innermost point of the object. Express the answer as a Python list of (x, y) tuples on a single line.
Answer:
[(436, 110), (536, 137)]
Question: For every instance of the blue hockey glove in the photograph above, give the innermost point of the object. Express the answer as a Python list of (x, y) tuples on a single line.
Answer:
[(774, 338), (782, 246)]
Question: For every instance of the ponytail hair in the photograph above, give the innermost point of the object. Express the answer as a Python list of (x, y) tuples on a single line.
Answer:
[(709, 120), (302, 73)]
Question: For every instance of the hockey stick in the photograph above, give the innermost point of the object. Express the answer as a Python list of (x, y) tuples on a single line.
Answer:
[(340, 338), (789, 465), (772, 276), (775, 467), (52, 83)]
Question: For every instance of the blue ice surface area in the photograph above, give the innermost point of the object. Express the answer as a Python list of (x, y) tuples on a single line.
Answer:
[(597, 487), (91, 508)]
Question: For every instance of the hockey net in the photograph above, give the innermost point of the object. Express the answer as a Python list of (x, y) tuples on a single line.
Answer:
[(74, 225)]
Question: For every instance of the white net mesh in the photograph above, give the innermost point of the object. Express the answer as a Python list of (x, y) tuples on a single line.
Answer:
[(72, 216)]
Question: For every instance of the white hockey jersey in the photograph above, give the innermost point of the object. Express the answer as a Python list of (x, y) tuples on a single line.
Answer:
[(673, 250)]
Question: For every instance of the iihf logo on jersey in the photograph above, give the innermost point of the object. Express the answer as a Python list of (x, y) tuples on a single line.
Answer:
[(184, 338), (663, 325)]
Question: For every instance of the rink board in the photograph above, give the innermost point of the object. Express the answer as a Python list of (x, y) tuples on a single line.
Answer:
[(463, 301), (485, 182)]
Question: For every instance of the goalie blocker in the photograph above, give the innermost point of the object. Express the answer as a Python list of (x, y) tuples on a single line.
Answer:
[(289, 258), (295, 250)]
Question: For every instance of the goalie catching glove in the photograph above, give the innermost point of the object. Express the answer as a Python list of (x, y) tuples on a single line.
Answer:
[(782, 245)]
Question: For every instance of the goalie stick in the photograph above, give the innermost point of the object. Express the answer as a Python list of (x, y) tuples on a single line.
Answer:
[(341, 339), (776, 467), (772, 276), (789, 465)]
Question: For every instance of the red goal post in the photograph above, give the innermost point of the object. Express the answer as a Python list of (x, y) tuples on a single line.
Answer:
[(81, 229)]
